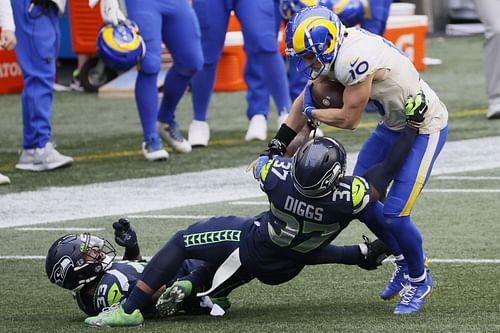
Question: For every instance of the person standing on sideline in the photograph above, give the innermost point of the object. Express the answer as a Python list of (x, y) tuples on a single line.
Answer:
[(38, 37), (488, 13), (174, 23), (258, 27), (7, 42)]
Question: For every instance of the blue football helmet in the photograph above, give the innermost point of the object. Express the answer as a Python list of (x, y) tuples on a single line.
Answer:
[(314, 34), (288, 8), (318, 166), (120, 46), (75, 260), (350, 12)]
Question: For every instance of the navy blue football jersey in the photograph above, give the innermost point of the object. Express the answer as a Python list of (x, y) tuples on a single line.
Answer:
[(117, 282), (305, 224)]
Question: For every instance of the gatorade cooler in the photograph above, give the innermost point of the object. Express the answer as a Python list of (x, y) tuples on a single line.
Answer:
[(85, 24), (408, 34), (11, 78)]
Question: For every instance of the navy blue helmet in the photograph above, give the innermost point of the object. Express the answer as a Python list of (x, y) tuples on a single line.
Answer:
[(75, 260), (318, 166)]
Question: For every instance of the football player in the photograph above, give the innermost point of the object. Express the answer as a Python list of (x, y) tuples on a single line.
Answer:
[(311, 202), (174, 23), (372, 69), (370, 15), (86, 265)]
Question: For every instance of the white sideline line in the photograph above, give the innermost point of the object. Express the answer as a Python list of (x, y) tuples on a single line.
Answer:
[(133, 196), (466, 178), (432, 261), (187, 217), (58, 229)]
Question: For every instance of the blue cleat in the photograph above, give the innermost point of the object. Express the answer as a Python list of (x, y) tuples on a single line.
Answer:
[(413, 296), (397, 281)]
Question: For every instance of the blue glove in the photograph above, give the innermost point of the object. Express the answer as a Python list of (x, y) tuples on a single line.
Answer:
[(257, 165), (308, 107), (124, 235)]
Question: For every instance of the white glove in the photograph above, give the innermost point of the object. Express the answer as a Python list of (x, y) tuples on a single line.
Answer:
[(110, 11)]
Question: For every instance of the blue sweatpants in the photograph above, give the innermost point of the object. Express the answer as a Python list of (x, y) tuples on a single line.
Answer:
[(37, 33)]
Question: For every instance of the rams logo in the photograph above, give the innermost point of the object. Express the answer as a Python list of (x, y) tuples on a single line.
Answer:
[(60, 270)]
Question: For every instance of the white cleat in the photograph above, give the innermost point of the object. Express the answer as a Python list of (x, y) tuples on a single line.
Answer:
[(154, 155), (198, 133), (43, 159), (257, 129), (173, 137), (4, 179)]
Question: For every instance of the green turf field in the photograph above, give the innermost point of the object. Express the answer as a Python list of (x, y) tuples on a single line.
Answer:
[(460, 228)]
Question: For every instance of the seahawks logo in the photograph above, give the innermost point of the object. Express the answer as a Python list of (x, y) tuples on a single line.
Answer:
[(60, 270)]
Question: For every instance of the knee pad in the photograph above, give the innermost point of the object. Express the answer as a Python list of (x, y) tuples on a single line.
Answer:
[(151, 63), (393, 206)]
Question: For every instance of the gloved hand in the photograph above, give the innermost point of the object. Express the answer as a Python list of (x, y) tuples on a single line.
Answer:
[(124, 235), (308, 107), (110, 11), (374, 253), (257, 165), (415, 109)]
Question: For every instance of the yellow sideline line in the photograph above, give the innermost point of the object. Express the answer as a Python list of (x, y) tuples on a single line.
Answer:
[(227, 142)]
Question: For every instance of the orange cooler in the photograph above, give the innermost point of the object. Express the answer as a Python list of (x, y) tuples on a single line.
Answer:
[(85, 24), (408, 34), (11, 77)]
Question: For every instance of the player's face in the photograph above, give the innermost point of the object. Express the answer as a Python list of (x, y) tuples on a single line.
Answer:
[(94, 254), (312, 62)]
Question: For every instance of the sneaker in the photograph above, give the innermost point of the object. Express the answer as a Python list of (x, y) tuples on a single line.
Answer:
[(413, 296), (171, 300), (282, 118), (257, 129), (152, 149), (171, 135), (397, 281), (75, 84), (493, 114), (4, 179), (43, 159), (115, 316), (198, 133)]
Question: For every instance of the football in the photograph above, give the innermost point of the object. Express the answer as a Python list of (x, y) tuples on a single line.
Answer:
[(327, 94)]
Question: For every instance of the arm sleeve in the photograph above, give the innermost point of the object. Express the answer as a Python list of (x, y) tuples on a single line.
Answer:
[(381, 174), (6, 17)]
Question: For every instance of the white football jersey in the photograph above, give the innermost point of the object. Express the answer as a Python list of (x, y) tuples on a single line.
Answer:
[(363, 53)]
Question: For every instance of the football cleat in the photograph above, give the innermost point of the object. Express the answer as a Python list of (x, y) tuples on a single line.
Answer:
[(152, 149), (397, 281), (257, 129), (42, 159), (171, 300), (4, 179), (198, 133), (115, 316), (171, 135), (413, 296)]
